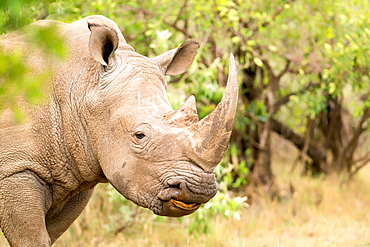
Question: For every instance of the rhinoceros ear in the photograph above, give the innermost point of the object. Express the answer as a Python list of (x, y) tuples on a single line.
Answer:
[(177, 61), (103, 42)]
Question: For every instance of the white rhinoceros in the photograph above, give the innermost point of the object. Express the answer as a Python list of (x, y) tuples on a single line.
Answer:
[(108, 120)]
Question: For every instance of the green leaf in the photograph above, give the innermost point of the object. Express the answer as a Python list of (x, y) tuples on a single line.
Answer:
[(258, 61)]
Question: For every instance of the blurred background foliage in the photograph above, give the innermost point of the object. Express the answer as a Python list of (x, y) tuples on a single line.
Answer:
[(303, 72)]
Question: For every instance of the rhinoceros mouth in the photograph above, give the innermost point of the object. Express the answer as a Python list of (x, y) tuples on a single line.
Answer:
[(189, 206)]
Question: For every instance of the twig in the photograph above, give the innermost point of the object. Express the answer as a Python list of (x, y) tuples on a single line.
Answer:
[(180, 12), (358, 168), (286, 68), (363, 158)]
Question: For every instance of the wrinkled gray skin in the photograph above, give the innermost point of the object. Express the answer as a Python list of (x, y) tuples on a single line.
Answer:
[(108, 120)]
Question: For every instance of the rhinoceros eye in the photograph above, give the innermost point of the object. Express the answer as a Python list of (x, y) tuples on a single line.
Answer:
[(139, 135)]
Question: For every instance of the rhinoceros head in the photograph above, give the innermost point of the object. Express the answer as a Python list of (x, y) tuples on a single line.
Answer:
[(157, 157)]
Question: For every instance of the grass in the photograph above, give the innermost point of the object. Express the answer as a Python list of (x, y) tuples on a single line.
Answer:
[(322, 211)]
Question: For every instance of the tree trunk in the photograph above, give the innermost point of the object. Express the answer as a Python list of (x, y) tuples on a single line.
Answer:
[(258, 133), (317, 155), (341, 137), (262, 171)]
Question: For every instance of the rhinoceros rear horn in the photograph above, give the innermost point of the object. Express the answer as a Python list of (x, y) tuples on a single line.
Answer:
[(177, 61), (210, 136), (103, 43)]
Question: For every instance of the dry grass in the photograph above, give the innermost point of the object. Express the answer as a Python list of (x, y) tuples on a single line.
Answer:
[(321, 212)]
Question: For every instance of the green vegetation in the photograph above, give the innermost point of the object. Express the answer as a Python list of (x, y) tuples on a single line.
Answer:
[(304, 74), (19, 82)]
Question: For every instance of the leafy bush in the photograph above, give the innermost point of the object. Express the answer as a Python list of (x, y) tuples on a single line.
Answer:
[(223, 204)]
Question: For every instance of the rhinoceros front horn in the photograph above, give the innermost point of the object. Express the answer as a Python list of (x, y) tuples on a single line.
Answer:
[(210, 136)]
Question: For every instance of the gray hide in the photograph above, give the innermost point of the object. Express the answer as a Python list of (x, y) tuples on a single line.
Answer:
[(108, 120)]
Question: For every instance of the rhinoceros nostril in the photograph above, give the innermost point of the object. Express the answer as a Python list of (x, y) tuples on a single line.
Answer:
[(175, 186), (174, 183)]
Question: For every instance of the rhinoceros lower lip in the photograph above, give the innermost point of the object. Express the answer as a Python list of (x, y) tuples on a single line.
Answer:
[(190, 206)]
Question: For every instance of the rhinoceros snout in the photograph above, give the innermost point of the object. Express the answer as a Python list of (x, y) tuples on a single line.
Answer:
[(183, 197)]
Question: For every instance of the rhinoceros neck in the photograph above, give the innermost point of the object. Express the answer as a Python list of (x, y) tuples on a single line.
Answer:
[(66, 152)]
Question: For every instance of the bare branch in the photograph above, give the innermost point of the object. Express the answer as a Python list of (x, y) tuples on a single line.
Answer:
[(268, 68), (174, 25), (358, 168), (180, 12), (359, 128), (286, 68), (182, 30), (317, 155)]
